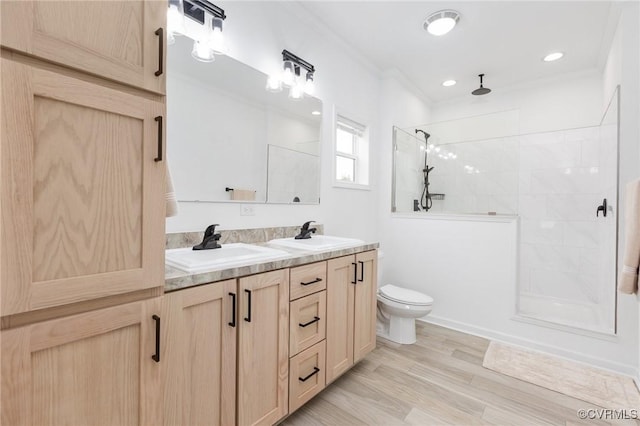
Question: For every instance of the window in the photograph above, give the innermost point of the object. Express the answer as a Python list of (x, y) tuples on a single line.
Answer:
[(352, 153)]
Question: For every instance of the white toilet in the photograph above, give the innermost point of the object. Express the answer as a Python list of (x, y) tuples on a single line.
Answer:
[(398, 309)]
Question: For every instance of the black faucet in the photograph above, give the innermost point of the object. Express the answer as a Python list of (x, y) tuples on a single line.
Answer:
[(210, 240), (305, 232)]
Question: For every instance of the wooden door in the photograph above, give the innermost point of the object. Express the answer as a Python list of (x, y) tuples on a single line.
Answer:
[(263, 348), (340, 299), (112, 39), (82, 197), (364, 323), (199, 355), (94, 368)]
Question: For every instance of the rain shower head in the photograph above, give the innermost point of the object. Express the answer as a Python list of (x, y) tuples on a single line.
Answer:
[(426, 135), (481, 90)]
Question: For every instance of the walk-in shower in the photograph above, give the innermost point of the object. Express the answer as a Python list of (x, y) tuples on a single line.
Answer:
[(553, 183)]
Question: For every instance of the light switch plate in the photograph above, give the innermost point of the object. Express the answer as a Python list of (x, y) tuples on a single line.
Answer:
[(247, 210)]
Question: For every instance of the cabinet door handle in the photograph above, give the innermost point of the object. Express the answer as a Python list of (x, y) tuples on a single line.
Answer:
[(361, 270), (156, 356), (355, 273), (159, 121), (315, 371), (233, 309), (160, 34), (306, 324), (317, 280), (248, 317)]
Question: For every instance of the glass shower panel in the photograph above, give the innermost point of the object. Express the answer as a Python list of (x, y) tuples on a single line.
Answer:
[(407, 174), (567, 252)]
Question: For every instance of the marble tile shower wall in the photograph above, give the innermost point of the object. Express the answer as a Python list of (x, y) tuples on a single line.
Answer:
[(476, 177), (554, 181), (563, 177)]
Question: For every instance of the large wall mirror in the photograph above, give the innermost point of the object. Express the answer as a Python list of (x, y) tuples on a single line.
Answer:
[(228, 139)]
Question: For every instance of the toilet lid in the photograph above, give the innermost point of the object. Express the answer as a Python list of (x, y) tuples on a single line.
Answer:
[(404, 295)]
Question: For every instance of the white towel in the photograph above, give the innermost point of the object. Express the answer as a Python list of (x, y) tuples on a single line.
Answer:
[(171, 203), (243, 194), (628, 278)]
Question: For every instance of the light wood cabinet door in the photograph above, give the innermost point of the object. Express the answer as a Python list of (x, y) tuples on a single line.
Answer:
[(82, 197), (94, 368), (112, 39), (341, 283), (364, 317), (263, 343), (199, 355)]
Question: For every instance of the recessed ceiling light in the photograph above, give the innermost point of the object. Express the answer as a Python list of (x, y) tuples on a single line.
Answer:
[(448, 83), (315, 113), (441, 22), (553, 56)]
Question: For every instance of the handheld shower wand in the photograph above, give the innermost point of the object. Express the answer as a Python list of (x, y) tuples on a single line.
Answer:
[(425, 199)]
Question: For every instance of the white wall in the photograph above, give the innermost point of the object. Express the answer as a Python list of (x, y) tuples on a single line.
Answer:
[(470, 267), (256, 33)]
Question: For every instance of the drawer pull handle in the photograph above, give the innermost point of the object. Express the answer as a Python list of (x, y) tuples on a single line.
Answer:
[(248, 317), (159, 121), (306, 324), (361, 270), (233, 309), (160, 33), (156, 356), (315, 371), (355, 273), (317, 280)]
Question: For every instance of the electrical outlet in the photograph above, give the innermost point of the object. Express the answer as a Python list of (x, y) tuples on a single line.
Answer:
[(247, 210)]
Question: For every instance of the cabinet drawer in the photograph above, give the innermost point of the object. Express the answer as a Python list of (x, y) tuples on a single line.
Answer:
[(307, 322), (307, 279), (306, 375)]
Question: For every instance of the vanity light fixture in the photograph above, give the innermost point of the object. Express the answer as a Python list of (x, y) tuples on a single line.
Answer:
[(291, 77), (204, 27), (441, 22), (553, 56), (175, 20)]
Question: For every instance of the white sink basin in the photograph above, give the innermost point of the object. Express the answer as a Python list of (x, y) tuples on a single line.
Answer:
[(317, 243), (235, 254)]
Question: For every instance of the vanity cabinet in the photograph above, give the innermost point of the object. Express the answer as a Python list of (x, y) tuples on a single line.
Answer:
[(263, 348), (94, 368), (199, 355), (82, 197), (351, 311), (118, 40)]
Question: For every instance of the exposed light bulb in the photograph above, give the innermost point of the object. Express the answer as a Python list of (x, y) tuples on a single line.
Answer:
[(202, 52), (273, 84), (216, 40), (287, 75), (309, 85), (296, 92), (175, 18)]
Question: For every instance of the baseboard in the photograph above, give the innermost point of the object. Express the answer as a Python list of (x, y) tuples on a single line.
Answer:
[(627, 370)]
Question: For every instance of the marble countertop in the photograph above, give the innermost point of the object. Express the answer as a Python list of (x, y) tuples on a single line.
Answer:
[(176, 279)]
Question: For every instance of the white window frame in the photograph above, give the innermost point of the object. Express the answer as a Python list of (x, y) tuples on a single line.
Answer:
[(361, 149)]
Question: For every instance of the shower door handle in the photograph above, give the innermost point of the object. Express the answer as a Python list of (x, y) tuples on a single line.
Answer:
[(602, 208)]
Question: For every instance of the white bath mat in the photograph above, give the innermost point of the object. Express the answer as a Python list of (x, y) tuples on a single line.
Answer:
[(599, 387)]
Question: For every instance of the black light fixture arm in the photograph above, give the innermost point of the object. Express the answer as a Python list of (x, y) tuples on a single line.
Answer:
[(195, 10), (288, 56)]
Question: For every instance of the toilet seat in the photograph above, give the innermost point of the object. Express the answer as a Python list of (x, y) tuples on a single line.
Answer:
[(404, 296)]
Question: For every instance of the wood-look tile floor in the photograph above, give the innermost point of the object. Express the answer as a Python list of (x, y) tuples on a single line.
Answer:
[(438, 381)]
